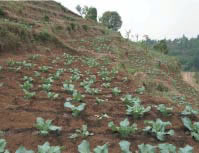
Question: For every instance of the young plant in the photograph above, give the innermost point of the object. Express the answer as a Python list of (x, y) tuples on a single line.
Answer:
[(83, 132), (146, 148), (166, 111), (158, 128), (99, 101), (46, 148), (45, 127), (3, 146), (140, 90), (137, 110), (125, 146), (53, 95), (46, 87), (44, 68), (167, 148), (124, 129), (186, 149), (22, 149), (116, 91), (27, 85), (77, 96), (189, 111), (28, 94), (84, 147), (130, 100), (192, 127), (69, 88), (106, 85), (75, 110)]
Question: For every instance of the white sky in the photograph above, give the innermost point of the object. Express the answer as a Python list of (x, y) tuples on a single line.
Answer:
[(157, 18)]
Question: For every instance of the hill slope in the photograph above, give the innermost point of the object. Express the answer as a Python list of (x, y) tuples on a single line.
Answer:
[(45, 47)]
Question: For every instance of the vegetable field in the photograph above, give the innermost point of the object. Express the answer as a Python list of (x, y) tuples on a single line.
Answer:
[(67, 103)]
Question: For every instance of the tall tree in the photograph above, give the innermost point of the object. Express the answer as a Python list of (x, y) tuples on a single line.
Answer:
[(112, 20)]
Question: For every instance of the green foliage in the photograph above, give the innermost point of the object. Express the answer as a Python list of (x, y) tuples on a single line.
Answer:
[(77, 96), (46, 148), (192, 127), (130, 100), (46, 18), (83, 132), (45, 126), (84, 147), (85, 27), (189, 111), (167, 148), (22, 149), (69, 88), (137, 110), (125, 146), (146, 148), (91, 13), (116, 91), (166, 111), (186, 149), (28, 94), (162, 47), (124, 129), (2, 145), (75, 110), (112, 20), (2, 13), (158, 128)]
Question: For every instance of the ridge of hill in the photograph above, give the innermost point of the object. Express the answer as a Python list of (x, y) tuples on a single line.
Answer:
[(44, 47)]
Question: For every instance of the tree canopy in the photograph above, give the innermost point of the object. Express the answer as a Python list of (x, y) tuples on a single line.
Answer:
[(112, 20)]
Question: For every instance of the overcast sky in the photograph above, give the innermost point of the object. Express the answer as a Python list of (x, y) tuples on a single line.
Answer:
[(157, 18)]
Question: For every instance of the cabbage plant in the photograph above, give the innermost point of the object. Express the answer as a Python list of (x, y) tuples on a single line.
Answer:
[(76, 110)]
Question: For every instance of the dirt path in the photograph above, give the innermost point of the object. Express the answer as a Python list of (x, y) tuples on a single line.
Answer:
[(189, 78)]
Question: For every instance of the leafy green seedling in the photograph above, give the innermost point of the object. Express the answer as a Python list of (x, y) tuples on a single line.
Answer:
[(116, 91), (77, 96), (146, 148), (28, 94), (167, 148), (75, 110), (192, 127), (166, 111), (53, 95), (124, 129), (140, 90), (130, 100), (125, 146), (158, 128), (22, 149), (3, 146), (106, 85), (83, 132), (189, 111), (45, 126), (84, 147), (137, 110), (46, 148), (69, 88), (186, 149)]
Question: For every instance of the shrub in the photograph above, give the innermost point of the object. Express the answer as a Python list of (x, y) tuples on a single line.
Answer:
[(112, 20), (91, 13), (85, 27), (2, 13), (46, 18)]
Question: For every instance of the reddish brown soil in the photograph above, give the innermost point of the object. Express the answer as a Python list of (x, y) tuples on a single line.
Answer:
[(18, 115)]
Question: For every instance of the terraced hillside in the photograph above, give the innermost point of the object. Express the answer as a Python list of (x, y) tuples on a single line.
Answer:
[(57, 66)]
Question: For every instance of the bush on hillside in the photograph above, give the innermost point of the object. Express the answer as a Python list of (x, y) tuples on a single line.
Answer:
[(162, 47), (91, 13), (112, 20)]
